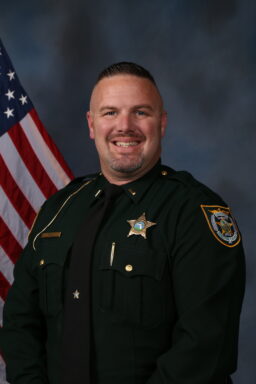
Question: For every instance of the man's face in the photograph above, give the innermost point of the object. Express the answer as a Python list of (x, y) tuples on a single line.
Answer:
[(127, 122)]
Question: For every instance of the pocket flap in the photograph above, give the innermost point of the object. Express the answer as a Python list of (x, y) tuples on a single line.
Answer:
[(133, 262), (52, 251)]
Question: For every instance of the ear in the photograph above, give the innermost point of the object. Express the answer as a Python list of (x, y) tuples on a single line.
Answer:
[(89, 117), (163, 123)]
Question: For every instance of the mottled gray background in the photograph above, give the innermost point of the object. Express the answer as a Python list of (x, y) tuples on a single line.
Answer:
[(203, 55)]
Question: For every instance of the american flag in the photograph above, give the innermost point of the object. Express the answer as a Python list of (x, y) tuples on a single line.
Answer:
[(31, 170)]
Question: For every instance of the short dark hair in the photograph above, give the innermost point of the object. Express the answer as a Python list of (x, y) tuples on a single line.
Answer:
[(126, 68)]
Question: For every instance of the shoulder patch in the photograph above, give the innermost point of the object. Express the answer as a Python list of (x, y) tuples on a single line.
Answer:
[(222, 224)]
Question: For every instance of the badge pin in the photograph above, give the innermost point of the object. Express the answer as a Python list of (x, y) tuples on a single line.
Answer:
[(222, 224), (140, 226)]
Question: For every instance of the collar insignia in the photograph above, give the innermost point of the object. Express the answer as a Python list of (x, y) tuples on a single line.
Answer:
[(139, 226), (222, 224)]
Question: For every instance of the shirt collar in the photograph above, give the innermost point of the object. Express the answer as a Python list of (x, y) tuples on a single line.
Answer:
[(136, 189)]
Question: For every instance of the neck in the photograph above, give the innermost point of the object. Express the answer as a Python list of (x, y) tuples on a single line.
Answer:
[(121, 178)]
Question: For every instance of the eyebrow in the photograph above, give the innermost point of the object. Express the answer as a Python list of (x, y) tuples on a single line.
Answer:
[(106, 107), (143, 106), (140, 106)]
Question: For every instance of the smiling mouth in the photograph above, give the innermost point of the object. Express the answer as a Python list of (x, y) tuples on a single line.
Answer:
[(126, 144)]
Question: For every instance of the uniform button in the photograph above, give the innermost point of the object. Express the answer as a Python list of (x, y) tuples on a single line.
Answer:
[(128, 267), (164, 173), (41, 262)]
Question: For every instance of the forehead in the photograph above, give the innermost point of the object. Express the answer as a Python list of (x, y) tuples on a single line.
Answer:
[(125, 89)]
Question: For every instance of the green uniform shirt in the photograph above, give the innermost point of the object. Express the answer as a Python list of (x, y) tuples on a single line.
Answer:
[(167, 285)]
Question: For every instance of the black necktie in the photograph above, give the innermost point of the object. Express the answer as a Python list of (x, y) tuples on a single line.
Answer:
[(77, 306)]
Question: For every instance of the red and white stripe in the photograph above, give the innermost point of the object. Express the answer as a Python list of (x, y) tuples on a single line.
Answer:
[(32, 169)]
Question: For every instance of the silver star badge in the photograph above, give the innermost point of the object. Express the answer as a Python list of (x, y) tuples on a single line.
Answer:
[(140, 226), (76, 294)]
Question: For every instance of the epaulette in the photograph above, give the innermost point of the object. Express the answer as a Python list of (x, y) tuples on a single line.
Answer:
[(183, 177), (82, 179), (72, 186), (188, 181)]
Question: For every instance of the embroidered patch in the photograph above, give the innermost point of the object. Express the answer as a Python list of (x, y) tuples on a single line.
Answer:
[(222, 224)]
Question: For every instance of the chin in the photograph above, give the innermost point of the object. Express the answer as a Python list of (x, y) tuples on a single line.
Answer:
[(126, 165)]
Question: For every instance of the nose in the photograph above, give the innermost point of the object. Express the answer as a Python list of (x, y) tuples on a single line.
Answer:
[(124, 123)]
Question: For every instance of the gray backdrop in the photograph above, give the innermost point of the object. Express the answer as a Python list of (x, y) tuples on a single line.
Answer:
[(203, 56)]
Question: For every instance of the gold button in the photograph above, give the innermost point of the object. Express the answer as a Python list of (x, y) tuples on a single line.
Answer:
[(132, 192), (128, 267), (164, 173), (41, 262)]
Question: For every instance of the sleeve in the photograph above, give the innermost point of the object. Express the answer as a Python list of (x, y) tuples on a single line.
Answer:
[(208, 275), (23, 334)]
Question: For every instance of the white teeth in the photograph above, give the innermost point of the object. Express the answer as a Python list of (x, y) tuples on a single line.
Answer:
[(124, 144)]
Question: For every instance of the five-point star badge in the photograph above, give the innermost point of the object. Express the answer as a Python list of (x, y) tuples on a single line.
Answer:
[(76, 294), (139, 226)]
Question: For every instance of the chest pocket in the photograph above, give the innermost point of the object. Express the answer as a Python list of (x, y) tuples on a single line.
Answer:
[(135, 286), (50, 276)]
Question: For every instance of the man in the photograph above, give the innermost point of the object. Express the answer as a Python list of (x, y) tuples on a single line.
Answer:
[(154, 286)]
